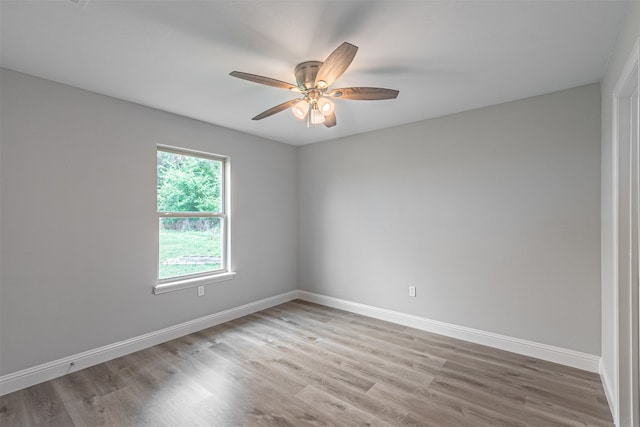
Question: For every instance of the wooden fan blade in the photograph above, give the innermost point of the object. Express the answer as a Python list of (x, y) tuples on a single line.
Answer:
[(263, 80), (364, 93), (336, 63), (273, 110), (330, 120)]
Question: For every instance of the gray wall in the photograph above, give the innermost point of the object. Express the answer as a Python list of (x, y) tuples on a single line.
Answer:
[(629, 33), (494, 214), (78, 247)]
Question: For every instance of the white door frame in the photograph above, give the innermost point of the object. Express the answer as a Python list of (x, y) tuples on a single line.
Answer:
[(626, 409)]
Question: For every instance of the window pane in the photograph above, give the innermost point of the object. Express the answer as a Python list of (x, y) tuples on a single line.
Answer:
[(188, 183), (189, 246)]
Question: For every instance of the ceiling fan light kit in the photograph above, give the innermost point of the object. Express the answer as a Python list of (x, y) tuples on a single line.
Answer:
[(313, 79), (300, 109)]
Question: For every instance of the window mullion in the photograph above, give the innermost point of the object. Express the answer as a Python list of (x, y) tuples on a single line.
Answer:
[(163, 214)]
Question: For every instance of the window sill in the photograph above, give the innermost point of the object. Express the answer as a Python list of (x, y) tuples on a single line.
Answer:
[(162, 288)]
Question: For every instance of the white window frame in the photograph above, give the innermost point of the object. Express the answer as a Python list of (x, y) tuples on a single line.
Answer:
[(198, 279)]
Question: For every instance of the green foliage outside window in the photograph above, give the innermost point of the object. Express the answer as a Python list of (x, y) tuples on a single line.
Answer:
[(189, 184)]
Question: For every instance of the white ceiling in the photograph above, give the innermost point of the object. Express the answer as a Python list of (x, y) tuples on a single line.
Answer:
[(443, 56)]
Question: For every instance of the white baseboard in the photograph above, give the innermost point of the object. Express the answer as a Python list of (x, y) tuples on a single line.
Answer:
[(47, 371), (609, 392), (50, 370), (576, 359)]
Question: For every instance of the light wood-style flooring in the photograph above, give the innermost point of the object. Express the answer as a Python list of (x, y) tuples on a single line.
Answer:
[(302, 364)]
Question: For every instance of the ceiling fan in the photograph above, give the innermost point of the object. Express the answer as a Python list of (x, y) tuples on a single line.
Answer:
[(313, 80)]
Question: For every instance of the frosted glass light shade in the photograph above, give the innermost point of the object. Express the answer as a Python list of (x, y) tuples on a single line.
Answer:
[(300, 109), (316, 117), (325, 106)]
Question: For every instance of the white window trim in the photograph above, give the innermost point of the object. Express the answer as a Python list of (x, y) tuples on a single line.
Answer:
[(206, 278), (192, 282)]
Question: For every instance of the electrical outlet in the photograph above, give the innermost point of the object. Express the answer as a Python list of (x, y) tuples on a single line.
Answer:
[(412, 291), (200, 291)]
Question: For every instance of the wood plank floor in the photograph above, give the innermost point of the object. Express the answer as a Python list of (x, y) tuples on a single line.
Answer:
[(302, 364)]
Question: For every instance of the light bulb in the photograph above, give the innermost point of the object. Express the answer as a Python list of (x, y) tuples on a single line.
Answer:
[(325, 106), (300, 109), (316, 117)]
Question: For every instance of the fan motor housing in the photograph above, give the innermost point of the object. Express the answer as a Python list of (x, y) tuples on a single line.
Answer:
[(306, 73)]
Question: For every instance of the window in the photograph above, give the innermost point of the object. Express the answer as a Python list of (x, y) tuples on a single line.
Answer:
[(193, 224)]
